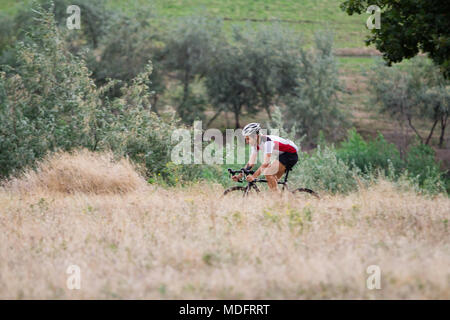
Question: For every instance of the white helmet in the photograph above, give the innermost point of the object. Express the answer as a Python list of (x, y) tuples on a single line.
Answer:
[(251, 128)]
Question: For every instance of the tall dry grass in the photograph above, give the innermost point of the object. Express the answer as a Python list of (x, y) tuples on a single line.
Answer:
[(80, 171), (192, 243)]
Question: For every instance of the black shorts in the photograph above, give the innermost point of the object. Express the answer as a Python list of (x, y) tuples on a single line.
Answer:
[(288, 159)]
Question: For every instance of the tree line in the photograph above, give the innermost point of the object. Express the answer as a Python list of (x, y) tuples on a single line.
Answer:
[(200, 66)]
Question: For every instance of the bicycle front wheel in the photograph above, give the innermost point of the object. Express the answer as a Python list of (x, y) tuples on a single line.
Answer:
[(244, 190), (234, 189)]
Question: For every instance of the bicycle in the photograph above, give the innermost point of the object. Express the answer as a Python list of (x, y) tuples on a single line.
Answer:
[(252, 185)]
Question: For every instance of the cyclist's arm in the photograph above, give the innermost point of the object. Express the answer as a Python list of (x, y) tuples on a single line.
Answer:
[(265, 164), (251, 162)]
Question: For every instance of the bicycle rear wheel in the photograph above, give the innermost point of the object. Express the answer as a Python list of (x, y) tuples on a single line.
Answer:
[(306, 190)]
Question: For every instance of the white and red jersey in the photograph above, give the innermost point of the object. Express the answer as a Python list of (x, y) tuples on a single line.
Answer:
[(271, 143)]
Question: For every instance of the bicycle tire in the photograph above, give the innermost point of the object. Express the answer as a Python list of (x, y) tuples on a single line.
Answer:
[(306, 190), (235, 188), (241, 189)]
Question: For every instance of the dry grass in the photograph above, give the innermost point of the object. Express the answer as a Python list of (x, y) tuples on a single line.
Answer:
[(192, 243), (80, 171)]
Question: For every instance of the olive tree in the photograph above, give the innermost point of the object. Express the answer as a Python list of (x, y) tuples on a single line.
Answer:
[(125, 52), (229, 86), (271, 55), (189, 50), (415, 92), (314, 105)]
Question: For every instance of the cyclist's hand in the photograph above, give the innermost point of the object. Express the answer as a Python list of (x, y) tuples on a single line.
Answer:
[(250, 178), (236, 178)]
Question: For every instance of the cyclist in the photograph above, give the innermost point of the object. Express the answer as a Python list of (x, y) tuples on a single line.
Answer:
[(271, 145)]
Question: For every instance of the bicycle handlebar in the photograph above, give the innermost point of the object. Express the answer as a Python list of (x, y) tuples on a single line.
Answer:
[(246, 172)]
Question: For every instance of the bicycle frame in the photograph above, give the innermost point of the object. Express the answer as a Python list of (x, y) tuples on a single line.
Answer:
[(284, 182), (253, 183)]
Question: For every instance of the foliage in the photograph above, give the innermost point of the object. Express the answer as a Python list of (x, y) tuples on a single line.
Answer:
[(264, 66), (408, 27), (314, 103), (51, 103), (323, 170), (228, 87), (377, 157), (189, 51), (423, 169), (411, 94), (125, 52), (96, 19), (271, 57), (369, 155), (277, 126), (6, 31)]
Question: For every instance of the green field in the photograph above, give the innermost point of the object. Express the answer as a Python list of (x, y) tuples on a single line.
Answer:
[(303, 16)]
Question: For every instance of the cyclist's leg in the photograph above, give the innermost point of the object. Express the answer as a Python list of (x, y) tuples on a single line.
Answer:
[(273, 173), (288, 160)]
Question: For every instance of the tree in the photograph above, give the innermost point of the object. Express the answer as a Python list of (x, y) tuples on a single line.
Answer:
[(419, 91), (126, 51), (409, 26), (229, 87), (50, 101), (271, 55), (189, 51), (438, 98), (95, 21), (314, 104), (254, 71)]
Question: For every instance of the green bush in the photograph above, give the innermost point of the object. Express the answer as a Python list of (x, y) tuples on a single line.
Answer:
[(50, 103), (47, 103), (126, 50), (369, 156), (424, 170), (377, 156), (323, 170)]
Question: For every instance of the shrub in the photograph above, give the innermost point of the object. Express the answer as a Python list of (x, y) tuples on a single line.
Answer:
[(126, 50), (377, 156), (423, 169), (323, 170), (51, 104), (96, 19), (369, 155)]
